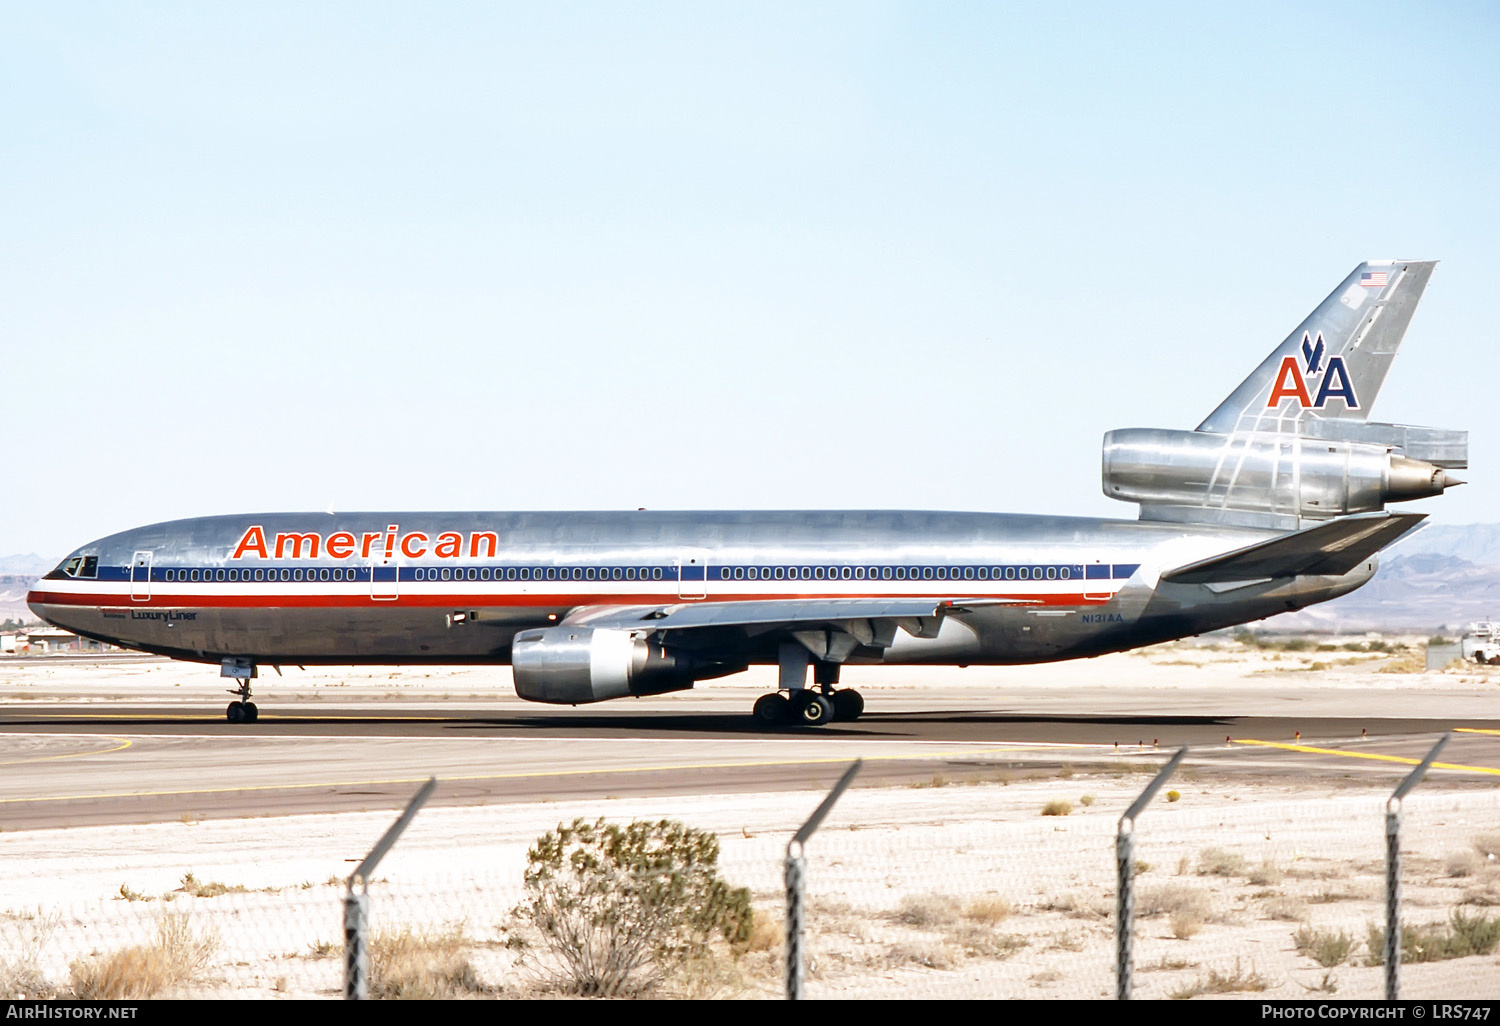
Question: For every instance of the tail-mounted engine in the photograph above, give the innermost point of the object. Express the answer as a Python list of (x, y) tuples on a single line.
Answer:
[(1357, 468), (574, 665)]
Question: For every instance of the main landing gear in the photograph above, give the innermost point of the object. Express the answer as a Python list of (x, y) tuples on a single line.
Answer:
[(809, 708), (796, 703), (242, 711)]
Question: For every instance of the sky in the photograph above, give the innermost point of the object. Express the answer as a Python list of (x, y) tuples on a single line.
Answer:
[(615, 255)]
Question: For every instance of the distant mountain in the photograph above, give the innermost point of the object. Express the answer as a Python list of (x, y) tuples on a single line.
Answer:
[(1438, 579), (30, 563), (13, 589), (1475, 543)]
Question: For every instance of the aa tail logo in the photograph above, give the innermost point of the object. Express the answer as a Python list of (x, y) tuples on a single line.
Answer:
[(1332, 380)]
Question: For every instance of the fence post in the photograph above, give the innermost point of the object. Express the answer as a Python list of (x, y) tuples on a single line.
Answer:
[(796, 876), (357, 904), (1125, 864), (1393, 871)]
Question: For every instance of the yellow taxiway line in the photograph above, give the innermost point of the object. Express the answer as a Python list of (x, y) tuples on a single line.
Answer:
[(124, 744), (1368, 755)]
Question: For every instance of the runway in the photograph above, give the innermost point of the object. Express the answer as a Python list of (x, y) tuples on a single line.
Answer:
[(69, 768), (113, 743)]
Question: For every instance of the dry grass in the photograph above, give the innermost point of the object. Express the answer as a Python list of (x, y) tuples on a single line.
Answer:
[(990, 910), (1173, 901), (927, 954), (199, 889), (177, 957), (1218, 862), (21, 977), (1236, 981), (1463, 863), (1488, 845), (1185, 924), (1082, 906), (1410, 662), (928, 910), (1286, 908), (985, 943), (1267, 872), (422, 965), (767, 932), (1058, 807)]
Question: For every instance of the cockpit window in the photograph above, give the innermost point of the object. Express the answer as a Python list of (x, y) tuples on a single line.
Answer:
[(80, 566)]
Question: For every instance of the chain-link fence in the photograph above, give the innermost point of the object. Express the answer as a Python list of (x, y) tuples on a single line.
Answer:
[(982, 888)]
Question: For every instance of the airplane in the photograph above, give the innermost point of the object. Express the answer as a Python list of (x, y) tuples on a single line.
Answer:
[(1274, 502)]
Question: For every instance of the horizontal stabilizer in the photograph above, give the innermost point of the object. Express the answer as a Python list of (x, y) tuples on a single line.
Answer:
[(1333, 549)]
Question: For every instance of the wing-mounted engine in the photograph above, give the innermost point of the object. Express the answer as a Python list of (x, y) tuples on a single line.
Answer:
[(572, 665), (1185, 475)]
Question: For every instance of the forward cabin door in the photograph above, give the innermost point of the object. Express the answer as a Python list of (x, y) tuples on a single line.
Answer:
[(385, 578), (140, 577), (692, 575)]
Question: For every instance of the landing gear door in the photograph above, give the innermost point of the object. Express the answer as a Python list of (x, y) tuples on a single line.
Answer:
[(385, 576), (140, 577), (692, 575)]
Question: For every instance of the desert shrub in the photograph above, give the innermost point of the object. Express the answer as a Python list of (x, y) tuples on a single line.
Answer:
[(422, 965), (143, 971), (1464, 934), (1324, 947), (1174, 796), (621, 908), (1057, 807)]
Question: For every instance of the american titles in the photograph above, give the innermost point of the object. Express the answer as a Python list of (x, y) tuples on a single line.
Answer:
[(256, 544)]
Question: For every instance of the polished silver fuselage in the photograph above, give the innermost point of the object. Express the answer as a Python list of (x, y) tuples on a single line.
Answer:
[(456, 587)]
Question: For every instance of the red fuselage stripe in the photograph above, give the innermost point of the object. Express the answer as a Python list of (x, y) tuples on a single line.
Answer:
[(468, 599)]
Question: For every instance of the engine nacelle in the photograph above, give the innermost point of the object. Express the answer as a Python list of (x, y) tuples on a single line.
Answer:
[(1262, 473), (574, 665)]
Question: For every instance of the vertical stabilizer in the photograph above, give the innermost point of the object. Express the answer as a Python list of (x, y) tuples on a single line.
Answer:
[(1332, 366)]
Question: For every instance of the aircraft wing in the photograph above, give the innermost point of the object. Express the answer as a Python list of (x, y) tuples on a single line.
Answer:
[(1333, 548), (772, 613), (831, 629)]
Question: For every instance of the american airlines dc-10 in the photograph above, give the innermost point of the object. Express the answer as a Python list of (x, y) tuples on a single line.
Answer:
[(1276, 501)]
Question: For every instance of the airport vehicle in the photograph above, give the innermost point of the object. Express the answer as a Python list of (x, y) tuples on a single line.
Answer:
[(1481, 642), (1274, 502)]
